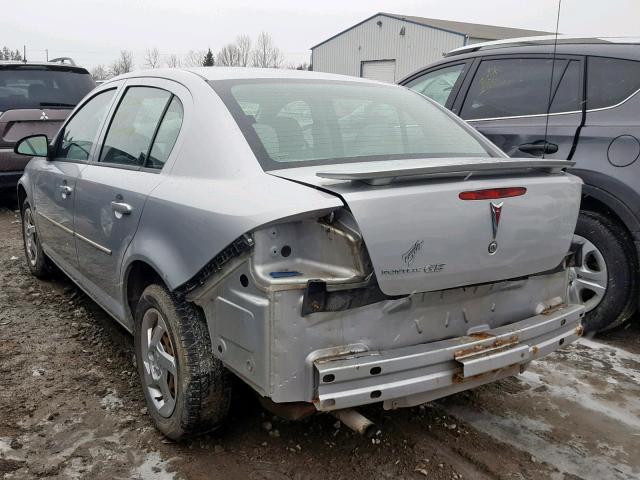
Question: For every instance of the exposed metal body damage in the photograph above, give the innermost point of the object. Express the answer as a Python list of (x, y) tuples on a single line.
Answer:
[(299, 329)]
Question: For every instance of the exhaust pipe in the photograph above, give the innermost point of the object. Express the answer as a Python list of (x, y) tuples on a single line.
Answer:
[(355, 421)]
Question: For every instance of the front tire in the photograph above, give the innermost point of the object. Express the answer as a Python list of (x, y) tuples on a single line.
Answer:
[(187, 389), (606, 280), (39, 264)]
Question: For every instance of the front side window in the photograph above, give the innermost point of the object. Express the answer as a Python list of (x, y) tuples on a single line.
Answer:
[(437, 85), (294, 123), (80, 132), (133, 126), (521, 86), (610, 81)]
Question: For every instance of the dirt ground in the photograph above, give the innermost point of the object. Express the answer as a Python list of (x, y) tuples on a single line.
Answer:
[(71, 407)]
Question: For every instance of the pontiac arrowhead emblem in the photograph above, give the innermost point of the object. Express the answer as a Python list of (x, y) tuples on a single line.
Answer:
[(410, 255), (44, 116), (496, 213)]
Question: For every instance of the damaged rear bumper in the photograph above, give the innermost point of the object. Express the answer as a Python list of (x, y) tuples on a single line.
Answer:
[(413, 375)]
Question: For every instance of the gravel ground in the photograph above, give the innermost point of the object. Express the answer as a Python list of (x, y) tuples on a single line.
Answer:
[(71, 407)]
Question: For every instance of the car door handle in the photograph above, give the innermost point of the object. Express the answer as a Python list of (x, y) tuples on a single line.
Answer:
[(538, 147), (121, 208)]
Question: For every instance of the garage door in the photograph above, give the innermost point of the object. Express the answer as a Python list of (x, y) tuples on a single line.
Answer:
[(383, 70)]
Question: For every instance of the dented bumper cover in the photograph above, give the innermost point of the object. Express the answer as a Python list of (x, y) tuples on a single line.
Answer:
[(409, 376)]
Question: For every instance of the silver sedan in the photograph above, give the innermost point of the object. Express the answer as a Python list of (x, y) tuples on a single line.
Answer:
[(331, 241)]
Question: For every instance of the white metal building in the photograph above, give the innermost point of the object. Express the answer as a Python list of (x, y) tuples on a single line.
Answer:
[(388, 47)]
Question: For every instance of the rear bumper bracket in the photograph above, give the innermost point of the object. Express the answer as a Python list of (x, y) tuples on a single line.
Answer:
[(408, 376)]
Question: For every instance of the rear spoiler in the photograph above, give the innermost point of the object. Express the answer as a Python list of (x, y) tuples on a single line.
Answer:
[(385, 171)]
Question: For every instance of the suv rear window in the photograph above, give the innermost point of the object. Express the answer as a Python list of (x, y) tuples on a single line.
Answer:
[(32, 86), (610, 81)]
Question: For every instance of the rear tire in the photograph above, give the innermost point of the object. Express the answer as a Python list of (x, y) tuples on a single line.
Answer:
[(187, 389), (608, 261), (39, 264)]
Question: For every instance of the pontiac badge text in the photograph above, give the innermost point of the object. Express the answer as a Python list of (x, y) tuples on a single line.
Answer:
[(408, 258)]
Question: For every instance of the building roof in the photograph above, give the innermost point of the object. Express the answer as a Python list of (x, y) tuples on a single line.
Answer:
[(475, 30)]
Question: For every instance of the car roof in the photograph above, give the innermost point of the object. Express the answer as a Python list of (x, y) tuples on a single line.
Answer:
[(544, 40), (615, 47), (244, 73)]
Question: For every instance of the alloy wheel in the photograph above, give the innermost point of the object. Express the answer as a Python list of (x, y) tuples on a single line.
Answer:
[(160, 365), (588, 282), (30, 237)]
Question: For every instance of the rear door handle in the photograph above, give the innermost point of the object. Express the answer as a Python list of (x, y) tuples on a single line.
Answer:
[(538, 147), (121, 208)]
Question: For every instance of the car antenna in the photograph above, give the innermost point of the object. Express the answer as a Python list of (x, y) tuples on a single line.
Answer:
[(553, 64)]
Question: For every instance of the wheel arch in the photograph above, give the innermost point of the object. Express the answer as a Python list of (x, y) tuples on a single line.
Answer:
[(600, 198), (139, 274), (603, 194), (22, 195)]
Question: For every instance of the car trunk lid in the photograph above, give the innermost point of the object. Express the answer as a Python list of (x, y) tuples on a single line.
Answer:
[(422, 236)]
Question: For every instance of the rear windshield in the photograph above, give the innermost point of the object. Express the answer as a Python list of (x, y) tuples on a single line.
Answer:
[(26, 86), (291, 123)]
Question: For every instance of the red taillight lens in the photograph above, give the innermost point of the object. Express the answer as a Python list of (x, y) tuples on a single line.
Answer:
[(492, 193)]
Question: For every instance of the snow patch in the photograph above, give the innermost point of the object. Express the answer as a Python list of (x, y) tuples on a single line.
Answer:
[(153, 467), (566, 458), (584, 395)]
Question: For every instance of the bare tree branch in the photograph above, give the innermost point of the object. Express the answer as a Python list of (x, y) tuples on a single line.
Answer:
[(266, 54), (172, 61), (124, 64), (228, 56), (152, 58), (194, 58), (243, 43), (100, 72)]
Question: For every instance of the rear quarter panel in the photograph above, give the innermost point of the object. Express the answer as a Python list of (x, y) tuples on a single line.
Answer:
[(187, 221)]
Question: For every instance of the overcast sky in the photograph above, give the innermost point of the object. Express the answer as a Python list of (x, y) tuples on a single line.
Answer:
[(94, 31)]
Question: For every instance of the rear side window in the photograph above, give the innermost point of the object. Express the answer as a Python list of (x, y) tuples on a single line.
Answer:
[(80, 132), (166, 136), (521, 86), (610, 81), (437, 85), (134, 125), (33, 86)]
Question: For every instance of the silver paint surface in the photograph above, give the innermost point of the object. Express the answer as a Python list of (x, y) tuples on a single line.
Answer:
[(212, 190)]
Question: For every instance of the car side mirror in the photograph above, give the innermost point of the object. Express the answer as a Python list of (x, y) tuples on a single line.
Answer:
[(33, 146)]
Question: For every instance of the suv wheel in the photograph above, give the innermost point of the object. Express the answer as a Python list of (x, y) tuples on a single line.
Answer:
[(187, 389), (38, 263), (605, 279)]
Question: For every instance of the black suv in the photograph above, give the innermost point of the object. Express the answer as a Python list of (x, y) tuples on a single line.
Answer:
[(34, 98), (505, 90)]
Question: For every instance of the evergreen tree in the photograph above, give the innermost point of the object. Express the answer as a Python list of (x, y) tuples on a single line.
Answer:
[(208, 59)]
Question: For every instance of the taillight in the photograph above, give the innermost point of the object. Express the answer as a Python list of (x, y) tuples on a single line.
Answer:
[(492, 193)]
